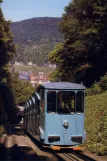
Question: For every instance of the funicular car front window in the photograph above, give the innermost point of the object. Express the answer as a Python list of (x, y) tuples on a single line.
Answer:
[(80, 102), (51, 102), (66, 102)]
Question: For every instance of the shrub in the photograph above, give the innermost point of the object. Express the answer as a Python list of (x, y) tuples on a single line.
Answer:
[(98, 87), (95, 89), (103, 82)]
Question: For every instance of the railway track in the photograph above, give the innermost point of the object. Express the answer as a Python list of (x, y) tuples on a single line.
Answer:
[(21, 143), (72, 156), (67, 155)]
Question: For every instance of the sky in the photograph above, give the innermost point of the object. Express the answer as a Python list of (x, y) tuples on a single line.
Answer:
[(17, 10)]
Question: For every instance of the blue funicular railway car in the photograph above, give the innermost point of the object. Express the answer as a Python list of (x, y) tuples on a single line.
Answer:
[(54, 115)]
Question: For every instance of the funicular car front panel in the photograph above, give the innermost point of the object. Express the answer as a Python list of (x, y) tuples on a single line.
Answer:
[(64, 124), (64, 114)]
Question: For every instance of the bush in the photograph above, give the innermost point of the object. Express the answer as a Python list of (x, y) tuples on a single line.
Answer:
[(98, 87), (95, 89), (103, 82)]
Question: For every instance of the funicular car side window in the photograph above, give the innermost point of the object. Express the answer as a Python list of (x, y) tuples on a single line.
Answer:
[(80, 102), (66, 102), (51, 102), (42, 99)]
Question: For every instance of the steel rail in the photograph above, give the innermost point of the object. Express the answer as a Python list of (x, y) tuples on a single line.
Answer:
[(67, 155), (81, 155), (73, 156)]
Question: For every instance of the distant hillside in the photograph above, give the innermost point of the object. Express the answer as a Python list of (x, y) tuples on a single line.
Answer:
[(36, 29), (35, 38)]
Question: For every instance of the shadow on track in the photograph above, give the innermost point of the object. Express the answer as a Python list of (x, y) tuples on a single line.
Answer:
[(25, 153), (21, 151)]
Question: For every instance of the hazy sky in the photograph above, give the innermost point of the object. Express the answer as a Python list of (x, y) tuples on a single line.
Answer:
[(17, 10)]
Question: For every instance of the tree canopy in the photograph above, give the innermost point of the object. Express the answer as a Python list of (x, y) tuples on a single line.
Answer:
[(21, 89), (7, 51), (83, 55), (7, 47)]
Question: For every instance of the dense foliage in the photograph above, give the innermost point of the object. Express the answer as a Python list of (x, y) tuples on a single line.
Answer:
[(98, 87), (22, 90), (35, 38), (83, 55), (7, 52), (10, 95), (7, 48), (96, 123), (2, 130)]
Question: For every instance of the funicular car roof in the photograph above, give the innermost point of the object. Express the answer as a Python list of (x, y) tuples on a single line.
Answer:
[(62, 85)]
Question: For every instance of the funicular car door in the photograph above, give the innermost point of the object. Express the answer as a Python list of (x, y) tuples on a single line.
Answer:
[(37, 113), (33, 115), (38, 117), (42, 113), (72, 119)]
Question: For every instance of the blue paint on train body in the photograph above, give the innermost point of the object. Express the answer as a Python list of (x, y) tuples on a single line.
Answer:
[(54, 127), (59, 114)]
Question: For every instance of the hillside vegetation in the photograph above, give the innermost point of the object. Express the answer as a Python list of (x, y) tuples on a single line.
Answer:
[(96, 123), (35, 38)]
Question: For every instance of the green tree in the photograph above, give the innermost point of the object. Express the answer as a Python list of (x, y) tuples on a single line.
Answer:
[(21, 90), (16, 93), (83, 56), (7, 48), (7, 52)]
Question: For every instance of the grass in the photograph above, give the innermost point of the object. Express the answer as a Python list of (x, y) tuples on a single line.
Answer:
[(96, 123)]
